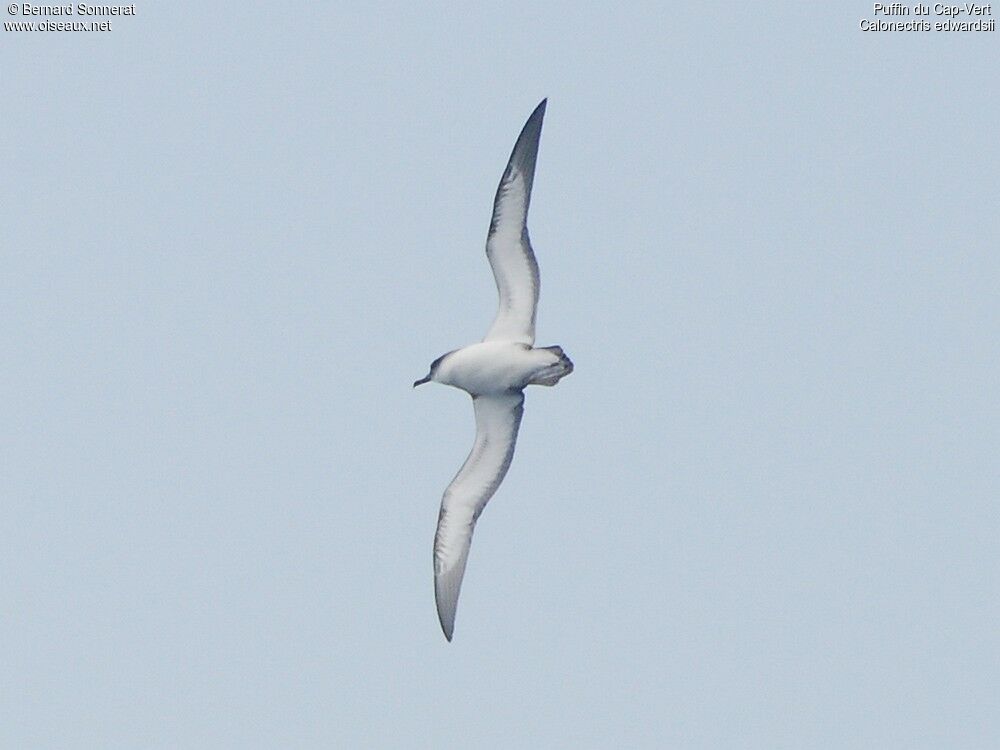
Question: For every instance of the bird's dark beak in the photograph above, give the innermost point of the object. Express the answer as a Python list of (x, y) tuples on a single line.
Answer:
[(422, 381)]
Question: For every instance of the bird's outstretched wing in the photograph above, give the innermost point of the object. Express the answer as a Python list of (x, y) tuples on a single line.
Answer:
[(497, 418), (507, 245)]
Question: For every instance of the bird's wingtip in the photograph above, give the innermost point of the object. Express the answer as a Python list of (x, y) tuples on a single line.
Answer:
[(447, 585), (447, 620)]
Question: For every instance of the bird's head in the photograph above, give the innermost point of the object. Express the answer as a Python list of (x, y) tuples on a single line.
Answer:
[(432, 374)]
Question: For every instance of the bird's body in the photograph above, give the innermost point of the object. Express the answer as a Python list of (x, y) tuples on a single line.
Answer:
[(499, 366), (494, 372)]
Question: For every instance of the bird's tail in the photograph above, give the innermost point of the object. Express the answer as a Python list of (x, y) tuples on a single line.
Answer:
[(559, 367)]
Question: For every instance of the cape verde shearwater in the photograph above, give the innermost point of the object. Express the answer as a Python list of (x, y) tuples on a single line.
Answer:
[(494, 372)]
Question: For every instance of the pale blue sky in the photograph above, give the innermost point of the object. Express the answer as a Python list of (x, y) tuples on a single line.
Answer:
[(762, 513)]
